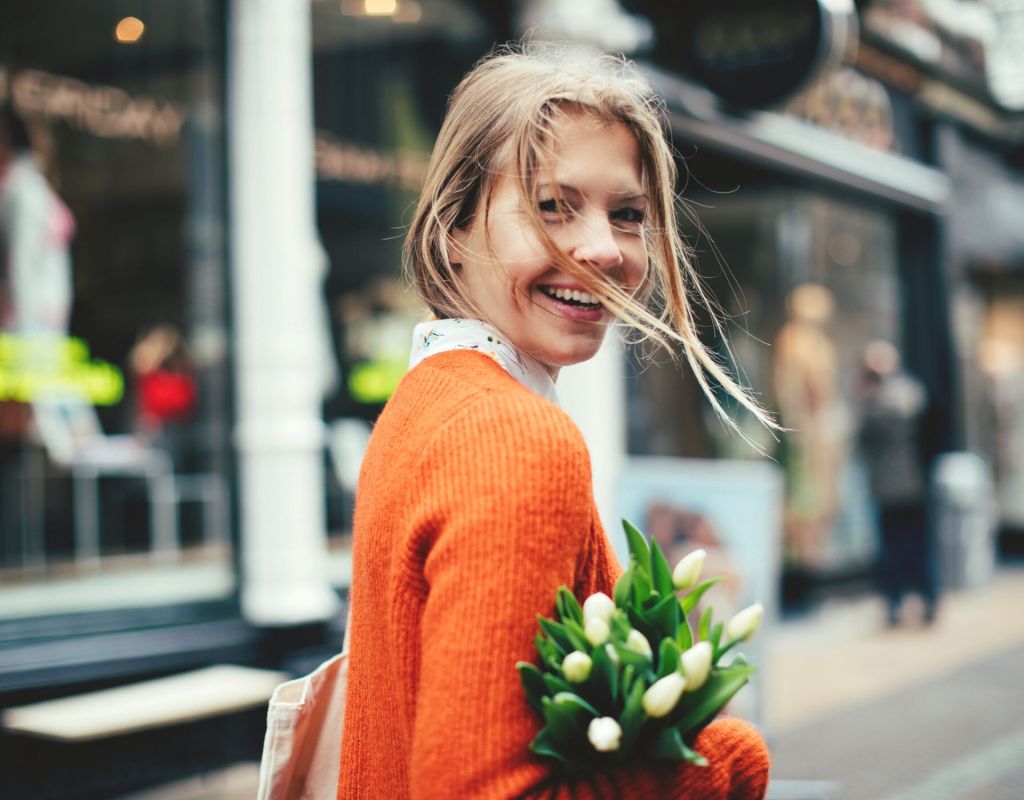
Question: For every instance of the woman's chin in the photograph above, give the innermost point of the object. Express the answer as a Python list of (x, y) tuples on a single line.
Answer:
[(558, 359)]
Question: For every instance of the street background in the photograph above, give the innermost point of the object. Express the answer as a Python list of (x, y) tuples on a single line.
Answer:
[(205, 313)]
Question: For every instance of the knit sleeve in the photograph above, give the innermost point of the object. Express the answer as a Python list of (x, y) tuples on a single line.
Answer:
[(511, 506)]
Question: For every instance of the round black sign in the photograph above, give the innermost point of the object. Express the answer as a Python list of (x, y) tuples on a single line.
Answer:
[(751, 52)]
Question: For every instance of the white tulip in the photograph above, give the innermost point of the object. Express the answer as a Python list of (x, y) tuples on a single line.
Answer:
[(663, 695), (687, 571), (744, 623), (613, 654), (605, 734), (576, 667), (638, 643), (696, 665), (597, 631), (598, 605)]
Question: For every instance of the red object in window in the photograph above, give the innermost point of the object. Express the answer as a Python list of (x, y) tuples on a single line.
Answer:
[(166, 395)]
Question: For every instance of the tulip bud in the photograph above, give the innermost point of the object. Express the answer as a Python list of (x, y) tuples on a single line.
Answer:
[(597, 631), (638, 643), (598, 605), (687, 571), (576, 667), (663, 695), (613, 654), (605, 734), (696, 665), (744, 623)]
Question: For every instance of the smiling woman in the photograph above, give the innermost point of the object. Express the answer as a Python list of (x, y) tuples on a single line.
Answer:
[(593, 214), (547, 215)]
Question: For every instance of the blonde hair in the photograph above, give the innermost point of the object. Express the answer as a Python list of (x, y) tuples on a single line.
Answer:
[(501, 119)]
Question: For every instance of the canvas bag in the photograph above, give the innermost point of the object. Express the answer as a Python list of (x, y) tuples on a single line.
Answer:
[(302, 746)]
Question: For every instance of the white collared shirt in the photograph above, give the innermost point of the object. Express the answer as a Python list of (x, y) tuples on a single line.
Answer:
[(439, 336)]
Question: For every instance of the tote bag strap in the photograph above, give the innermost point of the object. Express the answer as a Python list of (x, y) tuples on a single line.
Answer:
[(305, 730)]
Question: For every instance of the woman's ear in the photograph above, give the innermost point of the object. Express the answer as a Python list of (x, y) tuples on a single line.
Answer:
[(455, 246)]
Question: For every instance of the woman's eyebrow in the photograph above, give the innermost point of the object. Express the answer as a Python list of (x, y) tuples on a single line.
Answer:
[(627, 195)]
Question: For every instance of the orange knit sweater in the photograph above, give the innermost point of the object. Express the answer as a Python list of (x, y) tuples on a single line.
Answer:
[(474, 505)]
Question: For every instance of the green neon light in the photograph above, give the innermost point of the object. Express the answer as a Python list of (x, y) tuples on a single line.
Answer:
[(375, 381), (38, 368)]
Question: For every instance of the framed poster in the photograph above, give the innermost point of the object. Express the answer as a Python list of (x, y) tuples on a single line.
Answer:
[(730, 508)]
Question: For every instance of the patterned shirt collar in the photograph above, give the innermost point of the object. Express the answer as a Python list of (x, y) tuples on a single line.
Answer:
[(439, 336)]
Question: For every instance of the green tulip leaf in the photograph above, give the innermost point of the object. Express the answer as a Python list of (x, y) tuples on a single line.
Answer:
[(620, 625), (629, 677), (668, 745), (562, 722), (624, 588), (571, 702), (633, 716), (707, 701), (689, 602), (547, 651), (576, 635), (544, 745), (684, 636), (715, 637), (604, 675), (555, 684), (637, 543), (668, 657), (642, 587), (533, 683), (665, 616), (556, 635), (693, 757), (704, 626), (661, 573), (568, 606)]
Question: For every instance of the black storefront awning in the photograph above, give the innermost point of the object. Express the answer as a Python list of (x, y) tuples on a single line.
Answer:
[(787, 144)]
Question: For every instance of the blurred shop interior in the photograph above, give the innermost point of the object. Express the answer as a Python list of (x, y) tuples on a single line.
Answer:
[(866, 187)]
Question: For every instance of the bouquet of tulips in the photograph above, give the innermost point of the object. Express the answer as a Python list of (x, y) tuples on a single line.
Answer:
[(630, 678)]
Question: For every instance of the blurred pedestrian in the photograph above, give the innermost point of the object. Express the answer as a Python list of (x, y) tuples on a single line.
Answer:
[(547, 215), (164, 379), (892, 405)]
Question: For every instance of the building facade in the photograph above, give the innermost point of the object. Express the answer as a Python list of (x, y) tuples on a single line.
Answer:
[(225, 186)]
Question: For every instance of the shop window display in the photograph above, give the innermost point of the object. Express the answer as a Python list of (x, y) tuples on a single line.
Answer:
[(806, 282), (113, 428)]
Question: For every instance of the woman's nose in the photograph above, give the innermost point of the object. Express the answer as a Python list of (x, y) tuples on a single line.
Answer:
[(597, 244)]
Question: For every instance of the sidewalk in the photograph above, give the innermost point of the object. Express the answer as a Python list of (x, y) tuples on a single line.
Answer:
[(843, 654), (913, 713)]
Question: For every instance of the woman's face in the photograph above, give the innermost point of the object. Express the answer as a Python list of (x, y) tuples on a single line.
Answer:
[(514, 280)]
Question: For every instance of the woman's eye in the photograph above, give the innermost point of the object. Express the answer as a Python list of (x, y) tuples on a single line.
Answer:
[(555, 206), (630, 216)]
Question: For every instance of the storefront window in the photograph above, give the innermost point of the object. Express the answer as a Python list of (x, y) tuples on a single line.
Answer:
[(114, 459), (381, 82), (805, 282)]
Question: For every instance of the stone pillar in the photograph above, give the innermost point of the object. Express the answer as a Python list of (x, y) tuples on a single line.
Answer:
[(276, 297)]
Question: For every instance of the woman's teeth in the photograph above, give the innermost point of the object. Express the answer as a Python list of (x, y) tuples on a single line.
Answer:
[(573, 296)]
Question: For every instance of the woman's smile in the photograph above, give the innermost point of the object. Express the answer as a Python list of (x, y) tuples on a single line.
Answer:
[(573, 302)]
